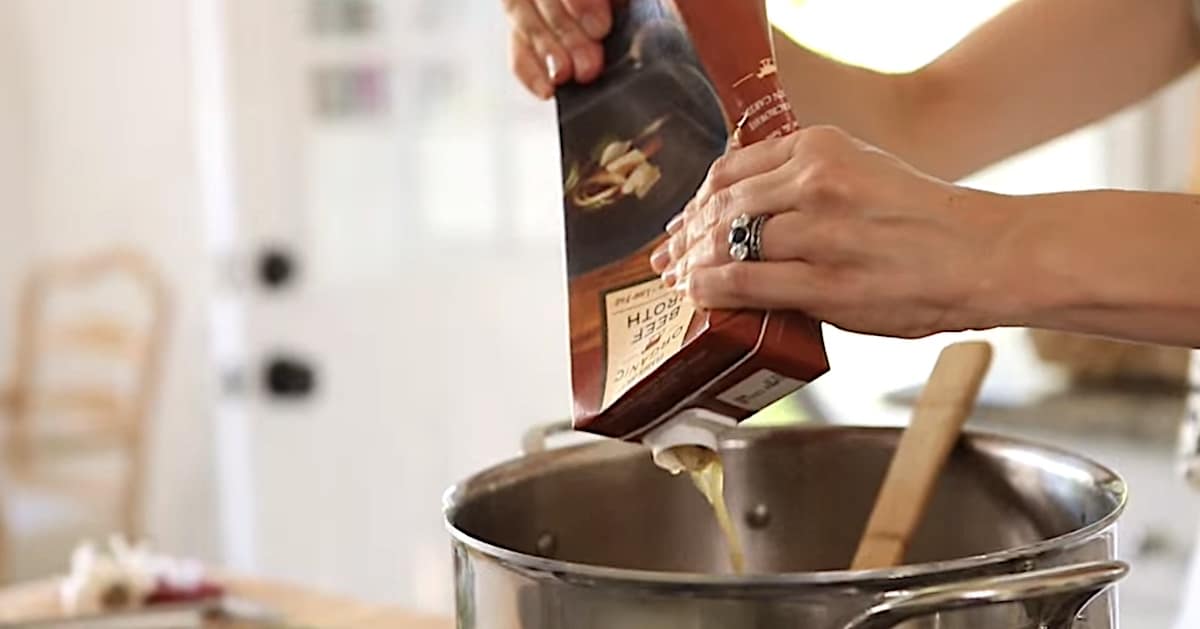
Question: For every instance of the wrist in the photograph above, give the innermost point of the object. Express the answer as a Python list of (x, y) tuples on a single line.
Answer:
[(1000, 281), (1029, 271), (1099, 262)]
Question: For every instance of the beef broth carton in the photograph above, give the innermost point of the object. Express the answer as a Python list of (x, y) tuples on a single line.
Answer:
[(646, 364)]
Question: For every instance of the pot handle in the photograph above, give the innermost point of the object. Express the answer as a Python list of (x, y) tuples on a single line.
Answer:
[(1054, 596), (534, 439)]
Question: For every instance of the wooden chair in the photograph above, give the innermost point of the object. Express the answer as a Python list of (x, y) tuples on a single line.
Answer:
[(85, 373)]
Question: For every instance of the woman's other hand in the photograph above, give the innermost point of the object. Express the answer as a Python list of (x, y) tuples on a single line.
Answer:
[(556, 41), (855, 237)]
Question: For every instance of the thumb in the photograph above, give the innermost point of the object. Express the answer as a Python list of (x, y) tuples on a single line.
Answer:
[(595, 16)]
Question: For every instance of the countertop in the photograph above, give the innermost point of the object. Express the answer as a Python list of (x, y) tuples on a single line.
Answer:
[(299, 606)]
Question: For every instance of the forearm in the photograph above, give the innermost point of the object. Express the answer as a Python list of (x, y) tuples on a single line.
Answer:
[(1046, 67), (1112, 263), (1036, 71)]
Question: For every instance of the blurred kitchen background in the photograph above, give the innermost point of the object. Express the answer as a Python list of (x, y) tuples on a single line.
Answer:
[(275, 273)]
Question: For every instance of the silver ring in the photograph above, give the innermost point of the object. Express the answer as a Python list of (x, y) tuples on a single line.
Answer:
[(756, 232), (745, 238)]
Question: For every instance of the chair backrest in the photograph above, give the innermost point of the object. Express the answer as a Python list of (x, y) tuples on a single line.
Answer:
[(89, 347)]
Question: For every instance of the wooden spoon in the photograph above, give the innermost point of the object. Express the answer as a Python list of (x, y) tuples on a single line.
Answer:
[(943, 407)]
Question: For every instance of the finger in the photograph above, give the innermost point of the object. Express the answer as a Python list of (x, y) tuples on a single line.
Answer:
[(680, 233), (743, 162), (528, 22), (675, 249), (765, 193), (734, 141), (660, 259), (691, 229), (526, 67), (772, 192), (664, 256), (595, 16), (586, 55), (676, 222), (781, 240), (803, 235), (793, 236), (710, 222), (756, 285), (714, 198), (711, 250)]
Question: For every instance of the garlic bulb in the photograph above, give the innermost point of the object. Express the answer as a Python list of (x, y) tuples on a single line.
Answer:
[(118, 580)]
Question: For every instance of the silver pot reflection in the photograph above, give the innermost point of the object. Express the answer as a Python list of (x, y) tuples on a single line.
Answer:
[(593, 536)]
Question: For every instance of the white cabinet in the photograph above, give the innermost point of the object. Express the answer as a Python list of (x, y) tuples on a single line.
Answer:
[(413, 186)]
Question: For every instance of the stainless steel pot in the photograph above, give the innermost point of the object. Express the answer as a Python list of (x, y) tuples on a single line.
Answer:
[(595, 536)]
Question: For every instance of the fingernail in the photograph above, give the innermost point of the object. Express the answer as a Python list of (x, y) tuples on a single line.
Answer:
[(543, 89), (552, 68), (681, 286), (670, 277), (593, 25), (660, 259), (675, 223), (582, 61)]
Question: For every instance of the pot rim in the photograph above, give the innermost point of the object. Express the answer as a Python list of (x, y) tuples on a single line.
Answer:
[(737, 438)]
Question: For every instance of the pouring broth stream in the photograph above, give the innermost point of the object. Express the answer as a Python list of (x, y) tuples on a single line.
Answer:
[(708, 475)]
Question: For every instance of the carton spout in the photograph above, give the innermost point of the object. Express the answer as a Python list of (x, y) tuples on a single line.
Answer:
[(696, 427)]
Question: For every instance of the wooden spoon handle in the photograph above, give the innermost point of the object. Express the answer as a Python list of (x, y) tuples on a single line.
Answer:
[(942, 409)]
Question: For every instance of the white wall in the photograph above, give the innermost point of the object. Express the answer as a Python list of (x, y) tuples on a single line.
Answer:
[(110, 160), (1172, 150), (14, 209)]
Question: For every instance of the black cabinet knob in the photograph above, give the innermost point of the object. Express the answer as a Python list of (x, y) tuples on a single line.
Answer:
[(276, 268), (289, 377)]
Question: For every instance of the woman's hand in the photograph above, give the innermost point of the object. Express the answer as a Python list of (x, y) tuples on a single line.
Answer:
[(555, 41), (855, 237)]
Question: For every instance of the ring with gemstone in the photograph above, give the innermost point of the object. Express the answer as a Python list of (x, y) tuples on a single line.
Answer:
[(745, 238), (739, 238)]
